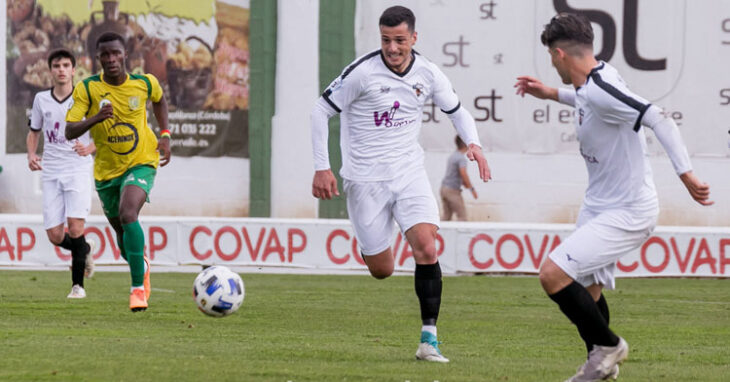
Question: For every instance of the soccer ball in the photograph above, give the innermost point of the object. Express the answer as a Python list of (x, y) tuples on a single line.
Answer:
[(218, 291)]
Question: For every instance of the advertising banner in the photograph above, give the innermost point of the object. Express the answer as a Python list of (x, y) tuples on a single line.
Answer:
[(197, 49), (659, 48), (330, 245)]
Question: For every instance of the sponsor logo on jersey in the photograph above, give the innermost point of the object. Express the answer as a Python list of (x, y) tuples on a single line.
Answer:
[(122, 138), (133, 102), (385, 89), (418, 87)]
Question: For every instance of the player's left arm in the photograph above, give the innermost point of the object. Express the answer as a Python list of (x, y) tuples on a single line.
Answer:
[(445, 98), (159, 108), (667, 133)]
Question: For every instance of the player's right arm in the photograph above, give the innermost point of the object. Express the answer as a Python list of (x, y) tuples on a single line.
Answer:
[(338, 95), (76, 125), (31, 141), (534, 87)]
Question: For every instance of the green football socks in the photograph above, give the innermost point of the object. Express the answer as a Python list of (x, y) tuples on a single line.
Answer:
[(134, 248)]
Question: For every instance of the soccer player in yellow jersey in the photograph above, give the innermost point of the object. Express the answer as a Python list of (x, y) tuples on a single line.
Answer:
[(112, 107)]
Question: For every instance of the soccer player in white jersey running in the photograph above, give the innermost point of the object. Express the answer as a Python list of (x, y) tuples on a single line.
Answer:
[(65, 169), (620, 207), (381, 97)]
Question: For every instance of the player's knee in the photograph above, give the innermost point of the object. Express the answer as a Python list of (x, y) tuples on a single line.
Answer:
[(381, 273), (129, 216), (426, 253)]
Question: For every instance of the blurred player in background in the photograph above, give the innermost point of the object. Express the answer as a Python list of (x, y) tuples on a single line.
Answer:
[(65, 169), (620, 208), (112, 106), (381, 97), (451, 200)]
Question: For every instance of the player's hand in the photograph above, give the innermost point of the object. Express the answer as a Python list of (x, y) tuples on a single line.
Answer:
[(84, 150), (474, 193), (534, 87), (163, 146), (324, 185), (474, 153), (106, 112), (699, 190), (34, 162)]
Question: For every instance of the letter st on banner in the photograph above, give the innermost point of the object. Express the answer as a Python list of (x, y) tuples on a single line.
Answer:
[(482, 46), (331, 246), (198, 50)]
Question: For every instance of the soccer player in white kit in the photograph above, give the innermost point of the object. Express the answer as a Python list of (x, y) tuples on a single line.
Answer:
[(620, 207), (65, 169), (380, 97)]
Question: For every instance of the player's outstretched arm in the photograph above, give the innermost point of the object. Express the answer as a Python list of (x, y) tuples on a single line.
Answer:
[(77, 129), (324, 184), (159, 108), (474, 153), (699, 190), (31, 143), (534, 87)]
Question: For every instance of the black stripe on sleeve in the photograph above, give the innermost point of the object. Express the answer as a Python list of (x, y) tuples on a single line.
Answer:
[(452, 111), (637, 125), (326, 96), (634, 104)]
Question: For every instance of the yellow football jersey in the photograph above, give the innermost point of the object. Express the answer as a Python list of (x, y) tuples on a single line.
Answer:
[(126, 140)]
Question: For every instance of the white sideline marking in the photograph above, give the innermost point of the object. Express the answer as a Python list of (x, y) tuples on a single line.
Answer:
[(163, 290)]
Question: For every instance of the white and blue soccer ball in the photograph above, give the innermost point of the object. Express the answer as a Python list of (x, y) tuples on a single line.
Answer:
[(218, 291)]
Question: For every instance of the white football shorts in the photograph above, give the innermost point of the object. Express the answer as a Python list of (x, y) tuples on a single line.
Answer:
[(66, 196), (373, 205), (590, 253)]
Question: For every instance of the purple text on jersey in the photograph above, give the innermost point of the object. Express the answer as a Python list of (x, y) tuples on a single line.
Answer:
[(54, 136)]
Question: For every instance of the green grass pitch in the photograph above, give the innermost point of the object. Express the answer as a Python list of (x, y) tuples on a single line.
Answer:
[(348, 328)]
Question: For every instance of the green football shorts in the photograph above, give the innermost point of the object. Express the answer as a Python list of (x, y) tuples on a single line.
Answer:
[(110, 191)]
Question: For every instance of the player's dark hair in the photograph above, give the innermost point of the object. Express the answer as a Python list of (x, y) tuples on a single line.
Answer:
[(394, 16), (567, 27), (110, 36), (459, 143), (61, 53)]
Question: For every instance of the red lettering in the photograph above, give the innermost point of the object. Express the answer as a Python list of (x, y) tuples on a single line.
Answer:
[(723, 259), (112, 243), (330, 238), (536, 261), (7, 247), (291, 249), (632, 267), (101, 243), (701, 260), (217, 241), (356, 253), (254, 251), (665, 248), (154, 245), (273, 245), (520, 253), (22, 247), (405, 254), (193, 250), (472, 259), (683, 262), (398, 240), (442, 245)]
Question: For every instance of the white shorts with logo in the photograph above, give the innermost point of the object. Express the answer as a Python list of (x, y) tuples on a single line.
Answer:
[(372, 206), (65, 196), (590, 253)]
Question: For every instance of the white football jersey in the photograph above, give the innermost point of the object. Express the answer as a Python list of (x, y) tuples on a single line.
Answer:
[(381, 113), (612, 143), (49, 117)]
